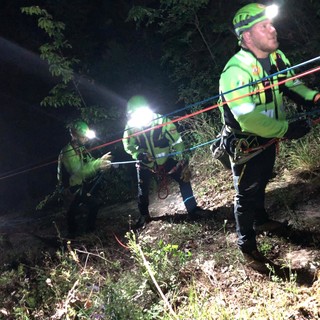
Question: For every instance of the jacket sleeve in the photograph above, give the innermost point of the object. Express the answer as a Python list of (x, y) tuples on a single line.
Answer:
[(78, 170), (131, 144), (296, 90), (175, 139), (243, 107)]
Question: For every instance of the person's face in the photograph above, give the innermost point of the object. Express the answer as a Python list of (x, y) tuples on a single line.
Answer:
[(262, 38), (81, 140)]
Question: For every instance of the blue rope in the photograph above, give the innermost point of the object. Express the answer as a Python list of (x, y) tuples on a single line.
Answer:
[(188, 149), (241, 87), (205, 101), (295, 117), (235, 89)]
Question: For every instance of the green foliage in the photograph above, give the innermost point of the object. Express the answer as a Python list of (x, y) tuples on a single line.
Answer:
[(45, 22), (184, 27), (117, 186), (99, 284), (64, 287), (120, 296), (165, 260), (59, 96), (304, 153), (138, 14), (63, 67), (200, 129), (300, 154), (265, 247), (59, 65), (99, 114)]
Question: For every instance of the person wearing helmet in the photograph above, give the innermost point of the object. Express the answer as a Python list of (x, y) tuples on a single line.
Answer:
[(254, 117), (152, 148), (76, 168)]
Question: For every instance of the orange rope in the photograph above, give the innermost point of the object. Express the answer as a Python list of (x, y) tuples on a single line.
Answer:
[(121, 244), (8, 175)]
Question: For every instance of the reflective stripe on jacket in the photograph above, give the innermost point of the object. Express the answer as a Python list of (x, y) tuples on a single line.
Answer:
[(158, 142), (263, 112)]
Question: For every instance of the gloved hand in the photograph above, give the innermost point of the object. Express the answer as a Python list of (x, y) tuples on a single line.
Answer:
[(105, 161), (297, 129), (185, 173), (145, 157)]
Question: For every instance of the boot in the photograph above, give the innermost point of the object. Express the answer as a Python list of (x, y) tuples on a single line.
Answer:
[(269, 225), (197, 213), (142, 221), (257, 261)]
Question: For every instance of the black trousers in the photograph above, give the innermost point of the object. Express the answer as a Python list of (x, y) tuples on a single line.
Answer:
[(144, 177), (250, 180), (82, 204)]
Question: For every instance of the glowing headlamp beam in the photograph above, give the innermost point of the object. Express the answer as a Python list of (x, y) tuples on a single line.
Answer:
[(271, 11), (141, 117), (90, 134)]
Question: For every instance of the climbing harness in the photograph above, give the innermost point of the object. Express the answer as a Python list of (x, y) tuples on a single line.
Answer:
[(242, 146), (219, 152)]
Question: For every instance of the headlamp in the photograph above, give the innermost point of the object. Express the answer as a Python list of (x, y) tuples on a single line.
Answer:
[(251, 14), (90, 134), (141, 117), (271, 11)]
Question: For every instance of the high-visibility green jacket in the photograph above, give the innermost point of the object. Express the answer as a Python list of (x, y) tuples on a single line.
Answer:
[(75, 166), (158, 142), (261, 113)]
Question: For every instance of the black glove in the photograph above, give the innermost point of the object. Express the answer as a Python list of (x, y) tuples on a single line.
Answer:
[(297, 129), (144, 157)]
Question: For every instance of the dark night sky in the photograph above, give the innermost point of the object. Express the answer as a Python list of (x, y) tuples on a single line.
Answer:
[(29, 133)]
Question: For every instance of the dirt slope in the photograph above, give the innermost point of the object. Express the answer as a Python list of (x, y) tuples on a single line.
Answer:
[(216, 262), (290, 198)]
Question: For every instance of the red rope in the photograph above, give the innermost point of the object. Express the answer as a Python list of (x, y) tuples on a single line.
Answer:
[(263, 146), (163, 183), (121, 244), (8, 175)]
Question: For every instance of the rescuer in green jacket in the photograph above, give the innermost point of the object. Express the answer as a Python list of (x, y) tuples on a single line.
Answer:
[(76, 169), (152, 148), (254, 116)]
